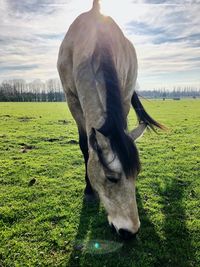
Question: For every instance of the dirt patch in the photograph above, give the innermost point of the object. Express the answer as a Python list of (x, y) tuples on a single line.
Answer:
[(6, 116), (72, 142), (61, 140), (51, 140), (25, 119), (3, 136), (16, 158), (26, 148), (63, 121), (32, 182)]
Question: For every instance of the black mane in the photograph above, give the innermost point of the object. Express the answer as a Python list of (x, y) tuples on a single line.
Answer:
[(115, 124)]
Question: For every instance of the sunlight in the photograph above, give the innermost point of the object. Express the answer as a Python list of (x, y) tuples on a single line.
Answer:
[(108, 7), (123, 11)]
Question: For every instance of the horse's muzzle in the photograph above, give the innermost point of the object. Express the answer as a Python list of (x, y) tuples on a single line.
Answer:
[(123, 233), (126, 235)]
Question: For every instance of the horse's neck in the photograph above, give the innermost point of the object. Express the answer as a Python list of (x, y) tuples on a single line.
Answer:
[(92, 97)]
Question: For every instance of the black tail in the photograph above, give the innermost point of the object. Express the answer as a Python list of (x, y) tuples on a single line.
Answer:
[(143, 115)]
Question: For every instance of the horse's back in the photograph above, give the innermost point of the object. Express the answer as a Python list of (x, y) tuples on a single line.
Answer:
[(87, 32)]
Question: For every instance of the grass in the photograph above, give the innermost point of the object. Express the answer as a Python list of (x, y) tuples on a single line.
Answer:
[(39, 223)]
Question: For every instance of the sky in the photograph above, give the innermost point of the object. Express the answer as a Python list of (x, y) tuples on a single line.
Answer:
[(165, 33)]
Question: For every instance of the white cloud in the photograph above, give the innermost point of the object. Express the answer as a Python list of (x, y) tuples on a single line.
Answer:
[(165, 36)]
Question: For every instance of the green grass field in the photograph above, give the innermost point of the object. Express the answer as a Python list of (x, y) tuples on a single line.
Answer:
[(39, 222)]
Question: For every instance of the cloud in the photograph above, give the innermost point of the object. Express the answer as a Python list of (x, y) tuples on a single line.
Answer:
[(165, 33), (172, 2), (21, 67), (33, 7), (167, 44)]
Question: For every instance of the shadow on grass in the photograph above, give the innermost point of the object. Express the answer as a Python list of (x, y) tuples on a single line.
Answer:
[(138, 252), (87, 218), (148, 249), (178, 249)]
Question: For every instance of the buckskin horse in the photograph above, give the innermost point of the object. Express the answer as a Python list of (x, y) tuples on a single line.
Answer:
[(98, 66)]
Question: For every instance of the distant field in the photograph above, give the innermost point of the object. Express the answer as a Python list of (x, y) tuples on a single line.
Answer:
[(40, 221)]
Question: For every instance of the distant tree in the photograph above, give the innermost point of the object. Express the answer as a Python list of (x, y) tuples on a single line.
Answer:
[(51, 90)]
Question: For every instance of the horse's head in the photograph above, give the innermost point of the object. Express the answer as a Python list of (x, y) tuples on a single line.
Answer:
[(115, 189)]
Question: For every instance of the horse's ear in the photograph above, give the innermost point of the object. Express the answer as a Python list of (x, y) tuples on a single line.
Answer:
[(138, 132)]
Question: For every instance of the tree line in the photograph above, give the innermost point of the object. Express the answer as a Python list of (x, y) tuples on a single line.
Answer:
[(18, 90), (176, 93)]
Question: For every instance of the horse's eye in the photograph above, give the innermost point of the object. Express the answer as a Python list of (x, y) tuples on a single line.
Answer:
[(112, 179)]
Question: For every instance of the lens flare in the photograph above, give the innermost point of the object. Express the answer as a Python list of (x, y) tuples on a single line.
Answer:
[(97, 246)]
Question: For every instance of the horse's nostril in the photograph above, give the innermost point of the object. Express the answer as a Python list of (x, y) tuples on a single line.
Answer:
[(125, 234)]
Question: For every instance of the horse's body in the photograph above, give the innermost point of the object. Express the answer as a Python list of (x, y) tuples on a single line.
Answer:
[(77, 63), (98, 70)]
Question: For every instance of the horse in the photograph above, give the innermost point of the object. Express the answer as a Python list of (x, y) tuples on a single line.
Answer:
[(98, 67)]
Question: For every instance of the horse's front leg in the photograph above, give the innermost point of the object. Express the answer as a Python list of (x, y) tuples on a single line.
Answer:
[(90, 195), (77, 113)]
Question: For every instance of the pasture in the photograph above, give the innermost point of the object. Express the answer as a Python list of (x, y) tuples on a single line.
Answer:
[(42, 212)]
